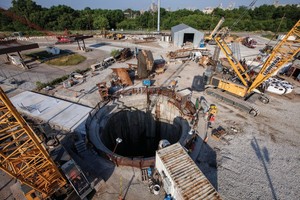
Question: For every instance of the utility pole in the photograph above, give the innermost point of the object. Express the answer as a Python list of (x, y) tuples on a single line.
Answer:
[(158, 16)]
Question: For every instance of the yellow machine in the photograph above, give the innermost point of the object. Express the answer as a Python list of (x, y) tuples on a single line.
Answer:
[(214, 32), (22, 155), (109, 35), (115, 36), (240, 83), (119, 36)]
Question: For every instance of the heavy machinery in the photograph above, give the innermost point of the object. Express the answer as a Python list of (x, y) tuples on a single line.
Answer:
[(22, 155), (115, 36), (242, 82), (249, 42), (119, 36), (109, 35), (210, 39), (266, 50), (61, 39), (65, 38)]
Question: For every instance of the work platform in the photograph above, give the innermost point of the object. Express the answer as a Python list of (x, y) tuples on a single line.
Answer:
[(60, 114)]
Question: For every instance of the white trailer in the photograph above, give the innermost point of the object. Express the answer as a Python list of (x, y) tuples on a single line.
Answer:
[(181, 176)]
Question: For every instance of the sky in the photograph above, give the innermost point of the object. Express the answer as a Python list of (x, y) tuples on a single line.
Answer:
[(145, 4)]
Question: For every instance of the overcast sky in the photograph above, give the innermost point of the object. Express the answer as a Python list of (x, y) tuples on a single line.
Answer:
[(144, 4)]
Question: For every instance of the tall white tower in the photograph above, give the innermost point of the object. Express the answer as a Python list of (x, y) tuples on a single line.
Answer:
[(158, 16)]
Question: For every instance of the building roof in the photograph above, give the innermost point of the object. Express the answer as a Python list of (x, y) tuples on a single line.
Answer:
[(58, 113), (190, 181), (179, 27)]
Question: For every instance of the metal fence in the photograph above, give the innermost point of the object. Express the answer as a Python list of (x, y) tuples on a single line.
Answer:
[(175, 99)]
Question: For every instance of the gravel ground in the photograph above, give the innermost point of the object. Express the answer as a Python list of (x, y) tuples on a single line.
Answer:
[(260, 160)]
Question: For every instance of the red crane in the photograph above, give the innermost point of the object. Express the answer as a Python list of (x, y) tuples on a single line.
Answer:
[(65, 38)]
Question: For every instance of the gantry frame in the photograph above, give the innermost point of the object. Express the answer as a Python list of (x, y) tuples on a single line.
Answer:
[(22, 154)]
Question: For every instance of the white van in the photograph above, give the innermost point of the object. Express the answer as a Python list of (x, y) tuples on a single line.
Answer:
[(108, 61), (96, 66)]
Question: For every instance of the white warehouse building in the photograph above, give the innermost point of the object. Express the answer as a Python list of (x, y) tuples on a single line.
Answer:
[(183, 33)]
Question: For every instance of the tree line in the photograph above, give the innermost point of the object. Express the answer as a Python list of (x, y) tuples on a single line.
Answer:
[(62, 17)]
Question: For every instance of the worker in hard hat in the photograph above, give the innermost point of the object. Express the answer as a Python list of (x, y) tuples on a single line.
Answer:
[(210, 117), (211, 113)]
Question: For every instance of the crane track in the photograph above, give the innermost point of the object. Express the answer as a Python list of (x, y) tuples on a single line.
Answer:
[(233, 101)]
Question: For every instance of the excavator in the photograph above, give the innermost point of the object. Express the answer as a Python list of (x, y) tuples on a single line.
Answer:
[(239, 81)]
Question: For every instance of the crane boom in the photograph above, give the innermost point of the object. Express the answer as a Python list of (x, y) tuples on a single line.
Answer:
[(213, 33), (22, 155), (283, 52), (64, 38), (25, 21), (234, 62)]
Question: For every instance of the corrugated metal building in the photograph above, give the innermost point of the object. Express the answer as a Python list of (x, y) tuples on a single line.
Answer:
[(183, 33), (181, 176)]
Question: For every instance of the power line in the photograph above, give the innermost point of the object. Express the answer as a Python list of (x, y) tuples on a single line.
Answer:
[(244, 13)]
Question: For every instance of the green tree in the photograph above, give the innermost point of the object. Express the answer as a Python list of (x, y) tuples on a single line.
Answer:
[(129, 24), (263, 12), (85, 18), (25, 7), (59, 18), (101, 23), (114, 17), (144, 19)]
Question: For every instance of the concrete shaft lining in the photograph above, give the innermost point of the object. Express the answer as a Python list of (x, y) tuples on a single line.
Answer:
[(140, 133), (139, 129)]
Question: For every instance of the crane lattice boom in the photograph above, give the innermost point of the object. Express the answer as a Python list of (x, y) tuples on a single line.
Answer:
[(21, 153)]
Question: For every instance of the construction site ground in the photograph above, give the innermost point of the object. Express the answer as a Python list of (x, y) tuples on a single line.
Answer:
[(257, 158)]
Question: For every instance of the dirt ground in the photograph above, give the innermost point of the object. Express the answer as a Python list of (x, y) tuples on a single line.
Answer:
[(258, 158)]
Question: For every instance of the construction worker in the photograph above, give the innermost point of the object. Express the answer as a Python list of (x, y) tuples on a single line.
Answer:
[(212, 112), (210, 118), (197, 104)]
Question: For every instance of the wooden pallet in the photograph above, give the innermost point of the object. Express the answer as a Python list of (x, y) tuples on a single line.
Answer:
[(217, 134)]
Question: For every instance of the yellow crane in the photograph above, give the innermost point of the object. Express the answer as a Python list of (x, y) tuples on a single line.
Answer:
[(22, 154), (214, 32), (242, 84)]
